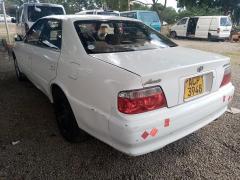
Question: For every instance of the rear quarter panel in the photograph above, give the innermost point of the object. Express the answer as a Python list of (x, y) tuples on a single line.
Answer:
[(91, 85)]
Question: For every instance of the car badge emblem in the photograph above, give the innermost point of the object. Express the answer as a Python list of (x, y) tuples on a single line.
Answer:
[(200, 69), (150, 81)]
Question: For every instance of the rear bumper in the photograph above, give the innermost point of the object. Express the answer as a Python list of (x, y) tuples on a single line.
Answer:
[(221, 36), (144, 133)]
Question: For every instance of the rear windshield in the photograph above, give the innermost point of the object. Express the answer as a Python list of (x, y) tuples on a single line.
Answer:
[(37, 12), (119, 36), (149, 17), (225, 21)]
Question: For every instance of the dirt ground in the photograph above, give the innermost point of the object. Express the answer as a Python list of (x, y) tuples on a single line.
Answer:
[(27, 116)]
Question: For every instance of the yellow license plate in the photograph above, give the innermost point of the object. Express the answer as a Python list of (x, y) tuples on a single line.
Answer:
[(193, 87)]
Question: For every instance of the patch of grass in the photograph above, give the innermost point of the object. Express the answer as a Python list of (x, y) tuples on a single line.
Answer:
[(235, 57), (236, 54)]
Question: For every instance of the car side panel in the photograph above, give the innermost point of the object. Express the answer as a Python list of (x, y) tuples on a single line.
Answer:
[(90, 84)]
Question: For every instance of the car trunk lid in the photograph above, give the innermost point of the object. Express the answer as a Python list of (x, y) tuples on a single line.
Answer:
[(170, 68)]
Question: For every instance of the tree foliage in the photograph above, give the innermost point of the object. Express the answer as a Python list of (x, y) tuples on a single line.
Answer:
[(211, 7), (188, 7)]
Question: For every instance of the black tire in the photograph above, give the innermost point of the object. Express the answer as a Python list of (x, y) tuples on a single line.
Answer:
[(66, 121), (210, 37), (173, 35), (20, 76)]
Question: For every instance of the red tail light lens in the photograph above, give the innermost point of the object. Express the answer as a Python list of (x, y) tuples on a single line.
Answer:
[(226, 77), (143, 100)]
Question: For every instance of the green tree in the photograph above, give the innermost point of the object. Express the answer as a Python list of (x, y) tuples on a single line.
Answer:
[(216, 7)]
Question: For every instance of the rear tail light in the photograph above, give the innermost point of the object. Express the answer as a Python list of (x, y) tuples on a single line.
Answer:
[(226, 77), (218, 30), (142, 100)]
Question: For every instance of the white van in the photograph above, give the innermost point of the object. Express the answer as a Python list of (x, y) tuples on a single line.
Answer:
[(206, 27), (29, 13), (99, 12)]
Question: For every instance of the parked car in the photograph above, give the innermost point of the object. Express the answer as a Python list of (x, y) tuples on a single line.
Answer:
[(99, 12), (29, 13), (9, 18), (206, 27), (150, 18), (132, 88)]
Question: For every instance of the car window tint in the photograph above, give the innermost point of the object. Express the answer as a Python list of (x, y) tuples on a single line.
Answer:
[(36, 12), (132, 15), (119, 36), (89, 12), (124, 14), (183, 21), (149, 17), (33, 34), (51, 35), (225, 21)]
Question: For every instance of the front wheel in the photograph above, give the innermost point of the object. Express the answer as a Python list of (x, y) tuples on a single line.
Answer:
[(173, 35)]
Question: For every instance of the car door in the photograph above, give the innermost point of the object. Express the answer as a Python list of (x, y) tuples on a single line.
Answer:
[(31, 40), (46, 53), (181, 28), (203, 27)]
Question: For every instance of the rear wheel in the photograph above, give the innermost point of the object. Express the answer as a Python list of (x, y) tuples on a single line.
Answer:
[(66, 120), (19, 74), (173, 35), (209, 37)]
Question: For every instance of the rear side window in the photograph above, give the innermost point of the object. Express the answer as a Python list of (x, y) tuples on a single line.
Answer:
[(37, 12), (130, 15), (149, 17), (89, 12), (225, 21), (51, 35)]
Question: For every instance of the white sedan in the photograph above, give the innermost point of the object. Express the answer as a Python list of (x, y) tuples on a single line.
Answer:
[(121, 81)]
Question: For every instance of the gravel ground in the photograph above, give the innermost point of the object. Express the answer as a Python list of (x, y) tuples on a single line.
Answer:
[(27, 116)]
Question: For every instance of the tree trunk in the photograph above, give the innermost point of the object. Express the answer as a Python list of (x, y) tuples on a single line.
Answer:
[(165, 4)]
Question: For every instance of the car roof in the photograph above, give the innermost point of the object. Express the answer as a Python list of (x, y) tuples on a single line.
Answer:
[(92, 17)]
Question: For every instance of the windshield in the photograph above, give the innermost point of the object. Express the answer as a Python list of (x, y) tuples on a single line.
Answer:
[(37, 12), (107, 13), (119, 36), (149, 17), (226, 21)]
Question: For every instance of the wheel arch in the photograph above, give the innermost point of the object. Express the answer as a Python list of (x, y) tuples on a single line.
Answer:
[(54, 87)]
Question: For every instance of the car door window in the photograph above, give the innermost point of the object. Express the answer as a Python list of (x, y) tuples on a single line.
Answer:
[(33, 34), (51, 35), (132, 15), (182, 22)]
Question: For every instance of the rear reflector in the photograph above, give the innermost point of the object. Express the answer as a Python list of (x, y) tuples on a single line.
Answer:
[(226, 77), (142, 100)]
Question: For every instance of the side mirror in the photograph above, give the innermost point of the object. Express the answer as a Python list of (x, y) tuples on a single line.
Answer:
[(18, 38), (13, 20)]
